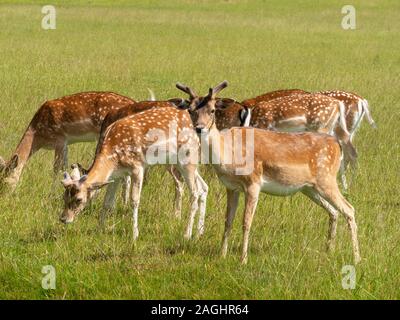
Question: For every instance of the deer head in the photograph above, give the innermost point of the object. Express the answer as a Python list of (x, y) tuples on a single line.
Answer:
[(77, 194), (7, 170), (202, 109)]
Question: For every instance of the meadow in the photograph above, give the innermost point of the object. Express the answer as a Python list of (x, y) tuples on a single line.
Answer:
[(258, 46)]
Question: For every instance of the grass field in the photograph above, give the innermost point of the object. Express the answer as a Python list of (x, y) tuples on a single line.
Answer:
[(258, 46)]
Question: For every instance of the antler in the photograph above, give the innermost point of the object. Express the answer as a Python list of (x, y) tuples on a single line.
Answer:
[(214, 91), (187, 90)]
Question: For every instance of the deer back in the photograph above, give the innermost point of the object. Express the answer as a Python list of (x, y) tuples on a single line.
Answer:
[(271, 95), (128, 139)]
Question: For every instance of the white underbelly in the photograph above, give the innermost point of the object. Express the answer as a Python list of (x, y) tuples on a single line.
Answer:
[(299, 128), (89, 137), (278, 189), (294, 124)]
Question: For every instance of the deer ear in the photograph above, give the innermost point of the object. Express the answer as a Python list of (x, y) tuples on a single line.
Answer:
[(99, 185), (13, 162), (180, 103), (223, 103), (67, 181), (83, 178), (76, 173), (82, 170)]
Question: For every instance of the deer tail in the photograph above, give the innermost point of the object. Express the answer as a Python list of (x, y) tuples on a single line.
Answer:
[(365, 107), (245, 117), (152, 95)]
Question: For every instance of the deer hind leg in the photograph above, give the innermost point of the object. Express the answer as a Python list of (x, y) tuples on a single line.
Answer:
[(202, 188), (109, 202), (231, 208), (251, 199), (179, 190), (60, 157), (126, 189), (342, 173), (189, 174), (137, 184), (333, 215), (336, 199)]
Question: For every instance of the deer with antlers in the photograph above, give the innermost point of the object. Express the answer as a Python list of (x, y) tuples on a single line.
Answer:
[(127, 147), (58, 123), (283, 164)]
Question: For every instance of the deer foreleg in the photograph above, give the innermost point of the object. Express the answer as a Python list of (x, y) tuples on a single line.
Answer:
[(109, 201), (137, 183), (252, 193), (60, 157), (189, 174), (126, 189), (179, 190), (231, 207), (202, 188)]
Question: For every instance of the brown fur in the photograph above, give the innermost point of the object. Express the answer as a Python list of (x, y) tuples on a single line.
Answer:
[(283, 163), (60, 122), (123, 151), (250, 103)]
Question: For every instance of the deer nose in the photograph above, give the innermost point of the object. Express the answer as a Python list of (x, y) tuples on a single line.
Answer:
[(201, 129)]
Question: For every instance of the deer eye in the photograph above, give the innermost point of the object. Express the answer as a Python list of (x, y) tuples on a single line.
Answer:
[(213, 111)]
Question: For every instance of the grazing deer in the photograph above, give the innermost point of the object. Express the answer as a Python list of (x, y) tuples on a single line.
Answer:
[(283, 164), (250, 103), (129, 110), (124, 150), (58, 123)]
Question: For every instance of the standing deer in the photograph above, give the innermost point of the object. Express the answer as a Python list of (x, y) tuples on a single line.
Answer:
[(356, 107), (58, 123), (124, 150), (308, 112), (230, 113), (283, 164)]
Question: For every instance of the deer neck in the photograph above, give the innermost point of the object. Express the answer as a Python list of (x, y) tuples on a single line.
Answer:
[(24, 150), (101, 171), (213, 149)]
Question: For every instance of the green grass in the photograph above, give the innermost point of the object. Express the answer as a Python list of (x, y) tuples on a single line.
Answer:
[(258, 46)]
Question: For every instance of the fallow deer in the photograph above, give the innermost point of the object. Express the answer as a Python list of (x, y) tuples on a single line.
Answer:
[(356, 107), (283, 164), (308, 112), (58, 123), (250, 103), (124, 150), (129, 110)]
